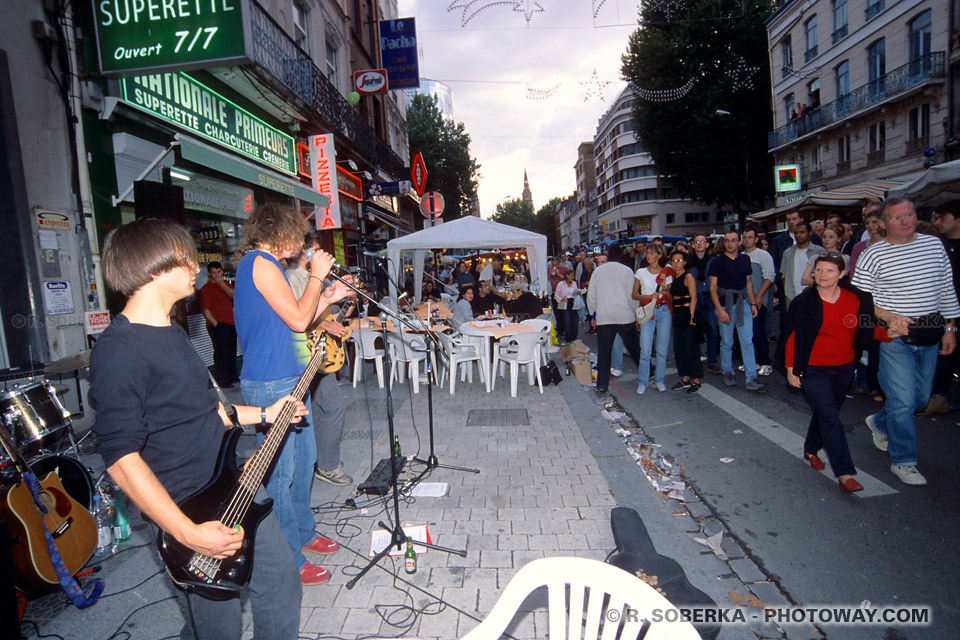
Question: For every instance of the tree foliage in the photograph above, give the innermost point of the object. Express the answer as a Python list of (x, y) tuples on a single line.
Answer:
[(519, 213), (445, 146), (722, 44)]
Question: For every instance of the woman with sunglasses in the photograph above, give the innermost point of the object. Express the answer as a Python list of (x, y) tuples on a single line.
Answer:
[(826, 326)]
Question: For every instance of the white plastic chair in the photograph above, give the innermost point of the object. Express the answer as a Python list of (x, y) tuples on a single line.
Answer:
[(519, 349), (586, 615), (460, 352), (366, 342), (544, 327), (407, 350)]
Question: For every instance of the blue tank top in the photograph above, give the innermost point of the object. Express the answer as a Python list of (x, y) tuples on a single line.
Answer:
[(268, 349)]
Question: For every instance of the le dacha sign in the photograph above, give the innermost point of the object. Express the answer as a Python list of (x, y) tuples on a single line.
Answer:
[(786, 177), (140, 35), (190, 105), (323, 173), (398, 52)]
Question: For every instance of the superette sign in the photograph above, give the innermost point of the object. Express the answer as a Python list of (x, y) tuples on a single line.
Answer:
[(137, 35), (182, 100)]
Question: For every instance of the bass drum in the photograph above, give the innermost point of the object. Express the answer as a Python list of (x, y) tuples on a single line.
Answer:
[(75, 479)]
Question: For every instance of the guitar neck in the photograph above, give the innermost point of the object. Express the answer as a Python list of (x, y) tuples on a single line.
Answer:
[(256, 468)]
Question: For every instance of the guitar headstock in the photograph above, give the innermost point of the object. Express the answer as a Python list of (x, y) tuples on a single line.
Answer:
[(6, 441), (316, 339)]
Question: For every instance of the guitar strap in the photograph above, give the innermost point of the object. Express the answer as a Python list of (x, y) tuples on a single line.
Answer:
[(67, 581)]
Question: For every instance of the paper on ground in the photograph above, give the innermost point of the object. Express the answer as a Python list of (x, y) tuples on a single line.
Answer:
[(380, 538), (429, 490)]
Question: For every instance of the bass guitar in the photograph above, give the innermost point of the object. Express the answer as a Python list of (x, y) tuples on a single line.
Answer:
[(228, 497), (336, 353), (73, 529)]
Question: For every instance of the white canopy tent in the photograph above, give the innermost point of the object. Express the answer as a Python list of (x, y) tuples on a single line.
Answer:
[(935, 186), (468, 232)]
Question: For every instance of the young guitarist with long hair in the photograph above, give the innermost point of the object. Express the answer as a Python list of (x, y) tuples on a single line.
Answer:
[(160, 430)]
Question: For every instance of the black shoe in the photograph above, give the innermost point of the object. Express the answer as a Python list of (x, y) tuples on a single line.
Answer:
[(694, 387), (682, 384)]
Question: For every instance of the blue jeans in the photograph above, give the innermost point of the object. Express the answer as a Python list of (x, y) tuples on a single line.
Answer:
[(745, 334), (906, 376), (571, 323), (274, 590), (705, 306), (616, 354), (659, 327), (289, 479), (328, 413)]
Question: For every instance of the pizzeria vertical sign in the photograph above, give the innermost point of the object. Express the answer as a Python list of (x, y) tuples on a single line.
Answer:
[(323, 174), (140, 35)]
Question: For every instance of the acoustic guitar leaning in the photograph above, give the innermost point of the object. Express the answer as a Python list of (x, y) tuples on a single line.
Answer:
[(71, 525)]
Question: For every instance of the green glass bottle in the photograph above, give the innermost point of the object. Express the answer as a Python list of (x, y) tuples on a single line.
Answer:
[(396, 447), (121, 519), (410, 558)]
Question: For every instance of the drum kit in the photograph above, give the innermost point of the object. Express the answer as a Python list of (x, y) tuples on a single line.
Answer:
[(41, 429)]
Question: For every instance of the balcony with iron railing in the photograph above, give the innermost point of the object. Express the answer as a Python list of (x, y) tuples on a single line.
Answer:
[(810, 53), (915, 73), (288, 70), (874, 9), (840, 34)]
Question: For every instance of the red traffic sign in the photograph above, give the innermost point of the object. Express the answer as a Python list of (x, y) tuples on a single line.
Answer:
[(370, 81), (431, 204), (418, 173)]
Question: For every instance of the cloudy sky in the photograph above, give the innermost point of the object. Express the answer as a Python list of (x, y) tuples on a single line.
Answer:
[(498, 62)]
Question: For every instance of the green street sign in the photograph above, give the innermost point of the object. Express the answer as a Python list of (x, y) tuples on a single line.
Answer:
[(140, 35), (178, 98)]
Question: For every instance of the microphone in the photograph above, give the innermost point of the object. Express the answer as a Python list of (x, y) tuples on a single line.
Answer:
[(371, 254)]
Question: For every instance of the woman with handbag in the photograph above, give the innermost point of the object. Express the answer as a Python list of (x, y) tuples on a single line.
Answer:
[(650, 288), (565, 295), (826, 325), (686, 351)]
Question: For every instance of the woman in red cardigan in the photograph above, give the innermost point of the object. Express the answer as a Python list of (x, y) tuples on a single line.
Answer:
[(824, 323)]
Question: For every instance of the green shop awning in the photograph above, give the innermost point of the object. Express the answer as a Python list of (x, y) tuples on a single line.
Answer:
[(202, 154)]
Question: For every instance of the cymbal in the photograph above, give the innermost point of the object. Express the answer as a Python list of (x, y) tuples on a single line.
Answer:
[(70, 363)]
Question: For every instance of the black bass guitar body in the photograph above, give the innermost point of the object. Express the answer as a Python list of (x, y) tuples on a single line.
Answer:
[(195, 572)]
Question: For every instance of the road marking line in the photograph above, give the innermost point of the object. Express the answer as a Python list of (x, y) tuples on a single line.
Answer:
[(784, 438)]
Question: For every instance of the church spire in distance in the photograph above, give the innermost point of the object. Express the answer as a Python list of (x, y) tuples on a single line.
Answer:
[(527, 195)]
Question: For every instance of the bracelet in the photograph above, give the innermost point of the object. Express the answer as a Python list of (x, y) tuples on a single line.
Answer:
[(263, 416), (950, 329), (318, 278)]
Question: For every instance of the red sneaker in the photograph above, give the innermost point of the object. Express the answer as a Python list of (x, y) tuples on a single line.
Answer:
[(312, 574), (323, 546)]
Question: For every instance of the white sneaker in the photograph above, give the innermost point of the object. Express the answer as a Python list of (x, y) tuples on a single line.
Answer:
[(880, 439), (616, 373), (661, 386), (908, 474), (765, 370), (642, 389)]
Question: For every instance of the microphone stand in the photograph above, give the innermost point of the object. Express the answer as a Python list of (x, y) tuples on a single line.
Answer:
[(397, 536)]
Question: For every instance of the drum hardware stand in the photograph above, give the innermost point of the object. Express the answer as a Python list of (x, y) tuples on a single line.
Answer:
[(397, 536)]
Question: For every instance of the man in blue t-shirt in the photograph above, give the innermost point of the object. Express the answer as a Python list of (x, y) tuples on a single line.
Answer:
[(731, 290)]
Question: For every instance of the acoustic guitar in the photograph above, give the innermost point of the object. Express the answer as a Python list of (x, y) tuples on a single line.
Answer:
[(228, 497), (73, 529)]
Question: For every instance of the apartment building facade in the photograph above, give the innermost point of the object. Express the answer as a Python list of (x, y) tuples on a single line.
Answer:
[(859, 89), (633, 199)]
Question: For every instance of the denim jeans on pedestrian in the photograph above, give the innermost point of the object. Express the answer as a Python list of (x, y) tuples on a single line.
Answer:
[(274, 593), (327, 412), (745, 335), (657, 328), (289, 479), (825, 389), (906, 377), (605, 336), (616, 354), (571, 323), (705, 306)]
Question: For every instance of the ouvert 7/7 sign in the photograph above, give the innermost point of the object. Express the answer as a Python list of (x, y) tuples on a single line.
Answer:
[(138, 35), (180, 99)]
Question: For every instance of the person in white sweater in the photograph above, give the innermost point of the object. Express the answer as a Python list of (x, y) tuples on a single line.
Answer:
[(609, 296)]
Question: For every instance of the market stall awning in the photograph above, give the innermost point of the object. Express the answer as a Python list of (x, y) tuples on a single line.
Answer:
[(200, 153), (854, 195), (938, 184)]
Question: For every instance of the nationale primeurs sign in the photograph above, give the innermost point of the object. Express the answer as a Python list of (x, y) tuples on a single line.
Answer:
[(137, 35)]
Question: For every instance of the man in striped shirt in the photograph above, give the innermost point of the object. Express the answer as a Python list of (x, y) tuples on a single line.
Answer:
[(909, 276)]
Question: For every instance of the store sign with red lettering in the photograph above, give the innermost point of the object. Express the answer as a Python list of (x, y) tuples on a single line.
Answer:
[(370, 81), (418, 173), (349, 184), (323, 174), (96, 322)]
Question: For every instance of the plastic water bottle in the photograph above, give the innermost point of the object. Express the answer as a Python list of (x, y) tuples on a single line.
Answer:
[(104, 528), (121, 519)]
